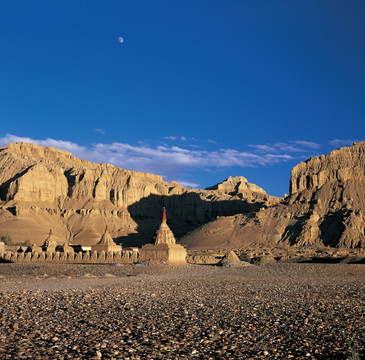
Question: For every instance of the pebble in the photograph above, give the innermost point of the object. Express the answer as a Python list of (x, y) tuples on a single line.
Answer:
[(279, 311)]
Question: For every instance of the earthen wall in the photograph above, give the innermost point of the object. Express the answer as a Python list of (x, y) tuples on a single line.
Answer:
[(89, 257)]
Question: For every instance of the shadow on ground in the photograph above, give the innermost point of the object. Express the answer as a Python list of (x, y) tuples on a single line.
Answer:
[(185, 213)]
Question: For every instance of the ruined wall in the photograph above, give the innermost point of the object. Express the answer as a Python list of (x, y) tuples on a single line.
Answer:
[(89, 257)]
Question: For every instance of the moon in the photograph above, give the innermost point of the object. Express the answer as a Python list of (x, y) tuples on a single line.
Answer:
[(120, 39)]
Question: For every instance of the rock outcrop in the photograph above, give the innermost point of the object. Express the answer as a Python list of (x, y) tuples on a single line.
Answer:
[(43, 187), (232, 260), (345, 164), (325, 208), (238, 186)]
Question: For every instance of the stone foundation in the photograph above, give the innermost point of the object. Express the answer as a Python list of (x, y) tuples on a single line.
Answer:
[(106, 248), (170, 253)]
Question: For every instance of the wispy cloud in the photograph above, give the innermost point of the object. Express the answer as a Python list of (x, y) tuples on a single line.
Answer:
[(188, 184), (174, 159), (296, 146), (100, 131), (343, 142), (307, 144), (59, 144), (179, 162), (165, 159), (182, 138)]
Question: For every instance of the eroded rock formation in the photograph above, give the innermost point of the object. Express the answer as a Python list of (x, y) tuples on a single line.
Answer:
[(43, 187), (325, 208), (345, 164)]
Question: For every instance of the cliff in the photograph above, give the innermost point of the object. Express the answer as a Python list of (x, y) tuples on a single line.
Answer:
[(43, 188), (325, 208), (341, 165)]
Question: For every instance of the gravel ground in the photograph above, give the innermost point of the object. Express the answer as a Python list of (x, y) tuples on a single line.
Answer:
[(279, 311)]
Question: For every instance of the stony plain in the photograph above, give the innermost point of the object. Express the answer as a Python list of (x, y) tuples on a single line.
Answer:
[(295, 306), (271, 311)]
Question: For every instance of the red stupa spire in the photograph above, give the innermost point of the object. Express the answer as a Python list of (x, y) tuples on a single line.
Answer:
[(164, 215), (50, 232), (106, 228)]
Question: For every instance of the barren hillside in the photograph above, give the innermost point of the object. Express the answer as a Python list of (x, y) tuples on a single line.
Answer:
[(43, 188), (325, 208)]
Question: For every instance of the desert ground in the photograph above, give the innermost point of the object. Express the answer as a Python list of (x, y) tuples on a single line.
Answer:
[(271, 311)]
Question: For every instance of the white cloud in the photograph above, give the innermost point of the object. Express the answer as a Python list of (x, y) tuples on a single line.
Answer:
[(342, 142), (182, 138), (188, 184), (296, 146), (264, 148), (308, 144), (100, 131), (164, 159), (59, 144)]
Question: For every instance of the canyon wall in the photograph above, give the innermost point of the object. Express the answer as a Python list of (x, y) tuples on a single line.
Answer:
[(43, 188), (341, 165), (325, 207)]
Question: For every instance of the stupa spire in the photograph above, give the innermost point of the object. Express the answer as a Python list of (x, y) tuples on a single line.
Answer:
[(164, 247), (50, 243), (164, 218), (106, 243)]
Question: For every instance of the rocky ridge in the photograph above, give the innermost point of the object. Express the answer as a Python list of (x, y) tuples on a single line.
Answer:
[(325, 208), (237, 185), (43, 188)]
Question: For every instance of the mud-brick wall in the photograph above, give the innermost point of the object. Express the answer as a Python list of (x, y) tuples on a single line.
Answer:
[(89, 257)]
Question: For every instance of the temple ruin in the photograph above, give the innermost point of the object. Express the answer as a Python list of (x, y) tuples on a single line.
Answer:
[(106, 243), (164, 248), (50, 243)]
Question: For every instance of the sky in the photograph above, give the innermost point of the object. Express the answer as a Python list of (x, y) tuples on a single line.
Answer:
[(196, 91)]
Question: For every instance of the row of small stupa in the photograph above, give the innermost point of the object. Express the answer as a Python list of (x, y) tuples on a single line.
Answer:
[(50, 245), (106, 243), (164, 248)]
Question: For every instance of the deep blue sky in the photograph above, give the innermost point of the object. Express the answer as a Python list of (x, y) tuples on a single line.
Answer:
[(198, 90)]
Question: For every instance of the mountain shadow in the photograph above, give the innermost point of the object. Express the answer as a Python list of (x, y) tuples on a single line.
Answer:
[(332, 228), (185, 213)]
